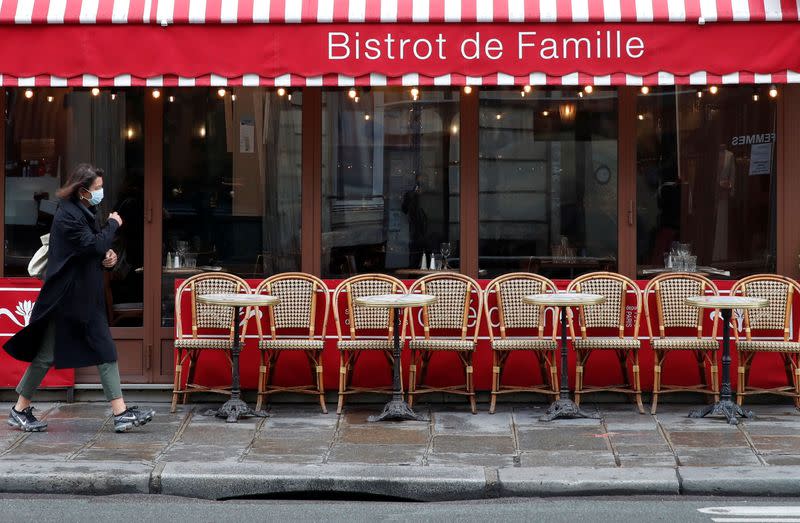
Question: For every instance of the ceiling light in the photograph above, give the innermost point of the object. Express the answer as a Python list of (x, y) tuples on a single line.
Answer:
[(588, 89), (527, 88), (352, 93), (221, 93), (95, 91), (281, 91), (467, 89), (773, 92), (156, 94), (28, 93), (713, 89), (645, 89)]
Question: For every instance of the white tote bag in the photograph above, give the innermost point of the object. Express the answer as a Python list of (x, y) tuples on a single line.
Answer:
[(38, 263)]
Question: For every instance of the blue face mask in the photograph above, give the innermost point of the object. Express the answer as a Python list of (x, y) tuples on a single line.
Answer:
[(97, 196)]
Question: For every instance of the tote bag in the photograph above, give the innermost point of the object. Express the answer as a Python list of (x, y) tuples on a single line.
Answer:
[(38, 263)]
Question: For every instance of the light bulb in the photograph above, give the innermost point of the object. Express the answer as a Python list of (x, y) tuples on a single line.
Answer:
[(699, 94), (221, 93), (545, 113), (498, 116), (49, 98), (527, 88), (233, 97), (414, 92), (130, 133), (755, 97), (645, 89), (454, 129), (171, 99), (467, 89), (352, 93), (641, 117), (713, 89), (589, 89), (366, 117), (281, 91), (28, 93), (95, 91), (773, 92), (156, 93)]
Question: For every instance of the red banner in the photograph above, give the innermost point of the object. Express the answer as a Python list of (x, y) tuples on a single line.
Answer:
[(17, 296), (372, 370), (393, 50)]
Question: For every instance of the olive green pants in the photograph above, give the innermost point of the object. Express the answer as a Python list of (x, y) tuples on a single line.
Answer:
[(109, 372)]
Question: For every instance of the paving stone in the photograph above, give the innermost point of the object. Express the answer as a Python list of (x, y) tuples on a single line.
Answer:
[(781, 459), (221, 435), (716, 457), (776, 444), (572, 438), (310, 434), (385, 434), (201, 453), (290, 446), (377, 454), (481, 460), (530, 417), (255, 456), (467, 423), (79, 410), (658, 459), (359, 417), (474, 444), (771, 429), (43, 451), (144, 452), (577, 458), (722, 439), (639, 438)]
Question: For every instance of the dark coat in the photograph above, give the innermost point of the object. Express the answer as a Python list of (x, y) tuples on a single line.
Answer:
[(73, 294)]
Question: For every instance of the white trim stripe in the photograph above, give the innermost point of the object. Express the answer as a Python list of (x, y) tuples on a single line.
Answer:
[(663, 78)]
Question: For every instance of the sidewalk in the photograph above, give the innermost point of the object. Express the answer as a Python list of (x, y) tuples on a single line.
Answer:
[(456, 455)]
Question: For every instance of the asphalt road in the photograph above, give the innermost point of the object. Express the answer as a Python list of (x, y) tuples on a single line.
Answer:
[(145, 508)]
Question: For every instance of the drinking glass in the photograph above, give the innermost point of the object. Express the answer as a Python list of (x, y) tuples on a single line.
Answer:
[(667, 260), (691, 263), (444, 249)]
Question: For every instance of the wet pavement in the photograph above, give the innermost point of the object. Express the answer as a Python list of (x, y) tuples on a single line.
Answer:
[(513, 437)]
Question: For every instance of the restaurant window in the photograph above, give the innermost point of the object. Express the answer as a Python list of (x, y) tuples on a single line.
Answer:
[(548, 180), (47, 133), (232, 183), (390, 180), (706, 179)]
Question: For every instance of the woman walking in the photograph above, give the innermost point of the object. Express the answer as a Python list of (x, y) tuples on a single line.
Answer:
[(69, 324)]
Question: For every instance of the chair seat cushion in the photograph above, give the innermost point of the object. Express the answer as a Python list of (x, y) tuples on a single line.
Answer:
[(768, 346), (442, 344), (686, 343), (291, 344), (204, 343), (365, 345), (606, 342), (524, 344)]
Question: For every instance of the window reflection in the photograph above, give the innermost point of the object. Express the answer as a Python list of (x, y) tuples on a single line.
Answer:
[(706, 156), (390, 184), (232, 183), (548, 181), (48, 132)]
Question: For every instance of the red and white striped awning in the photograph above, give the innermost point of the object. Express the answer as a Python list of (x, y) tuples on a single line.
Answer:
[(392, 11), (283, 42)]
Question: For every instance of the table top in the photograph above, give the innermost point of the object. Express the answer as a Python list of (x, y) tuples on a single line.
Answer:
[(702, 270), (727, 302), (564, 299), (391, 301), (234, 299)]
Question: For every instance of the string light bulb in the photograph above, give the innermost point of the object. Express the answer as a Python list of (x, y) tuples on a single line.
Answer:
[(281, 91), (221, 93), (113, 96), (95, 91), (713, 89), (641, 117), (589, 89), (645, 89), (352, 93), (545, 113), (414, 92), (527, 89), (755, 97), (156, 94), (699, 94), (233, 97), (366, 117), (49, 98), (28, 94), (773, 92), (467, 89), (171, 99)]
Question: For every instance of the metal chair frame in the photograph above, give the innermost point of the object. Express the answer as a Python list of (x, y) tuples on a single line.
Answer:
[(791, 359), (703, 356), (546, 358), (420, 358), (348, 358), (191, 355), (624, 354), (269, 357)]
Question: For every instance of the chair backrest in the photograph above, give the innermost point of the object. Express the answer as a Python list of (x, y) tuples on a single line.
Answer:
[(300, 295), (513, 313), (208, 316), (779, 291), (669, 293), (453, 293), (611, 313), (365, 318)]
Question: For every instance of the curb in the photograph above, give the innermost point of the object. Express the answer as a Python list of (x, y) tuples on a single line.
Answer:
[(744, 481), (587, 481), (75, 477)]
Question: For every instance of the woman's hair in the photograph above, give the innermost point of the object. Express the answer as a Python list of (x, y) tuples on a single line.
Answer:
[(81, 177)]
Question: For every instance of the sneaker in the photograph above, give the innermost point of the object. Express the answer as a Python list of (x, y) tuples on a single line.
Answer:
[(26, 421), (132, 417)]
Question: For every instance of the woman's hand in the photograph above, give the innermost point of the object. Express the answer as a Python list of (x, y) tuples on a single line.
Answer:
[(115, 216), (111, 258)]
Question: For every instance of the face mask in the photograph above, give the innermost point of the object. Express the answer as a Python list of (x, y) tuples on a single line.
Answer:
[(97, 196)]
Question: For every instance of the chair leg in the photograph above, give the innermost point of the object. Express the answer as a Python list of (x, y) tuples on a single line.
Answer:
[(637, 383), (659, 361), (700, 356), (740, 380), (412, 378), (796, 382), (193, 357), (176, 387), (262, 386), (554, 383), (470, 382), (622, 356), (495, 382), (714, 376), (581, 358), (342, 382), (320, 381)]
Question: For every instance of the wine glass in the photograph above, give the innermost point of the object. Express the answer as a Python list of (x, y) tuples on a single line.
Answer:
[(444, 249)]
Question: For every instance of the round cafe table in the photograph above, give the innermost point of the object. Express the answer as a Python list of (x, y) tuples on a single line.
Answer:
[(725, 304), (235, 408), (396, 409), (564, 407)]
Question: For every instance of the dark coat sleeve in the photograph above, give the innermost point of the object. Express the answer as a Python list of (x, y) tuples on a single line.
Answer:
[(84, 239)]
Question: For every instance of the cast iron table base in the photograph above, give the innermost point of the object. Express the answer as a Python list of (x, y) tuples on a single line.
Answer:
[(564, 407)]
